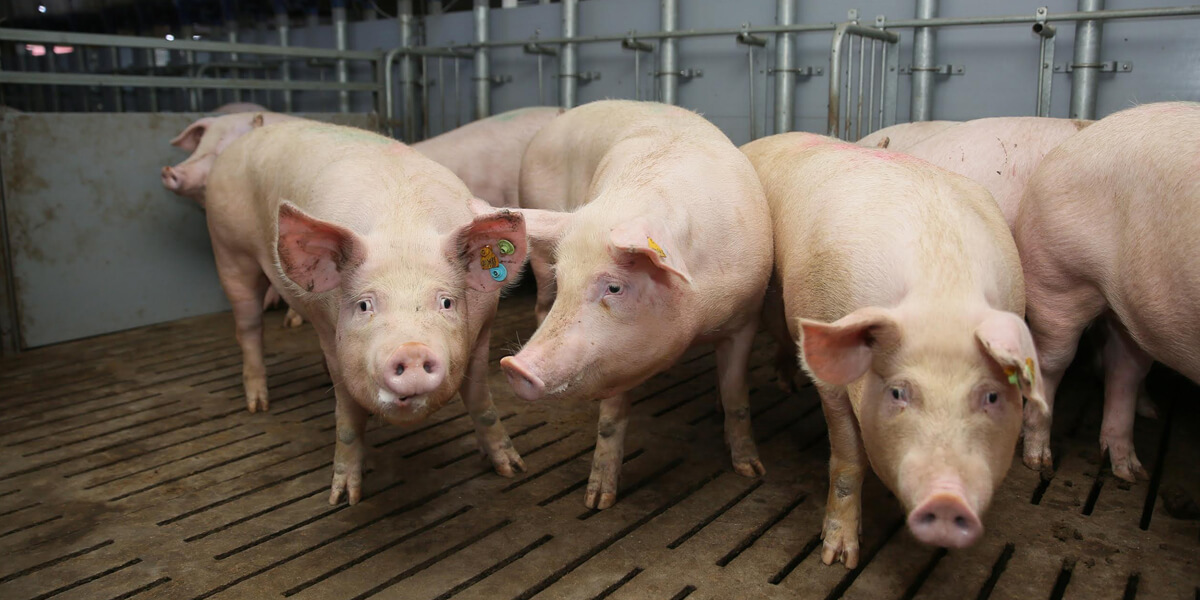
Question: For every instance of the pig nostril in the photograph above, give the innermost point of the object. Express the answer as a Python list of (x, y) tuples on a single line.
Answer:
[(928, 518), (428, 367), (399, 369), (961, 522)]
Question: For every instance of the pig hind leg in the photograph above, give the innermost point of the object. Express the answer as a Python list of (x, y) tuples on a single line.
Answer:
[(733, 357), (494, 442), (786, 363), (245, 285), (1057, 313), (292, 319), (847, 464), (610, 452), (1125, 366)]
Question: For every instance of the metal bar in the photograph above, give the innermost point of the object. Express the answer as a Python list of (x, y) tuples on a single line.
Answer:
[(68, 38), (483, 75), (1135, 13), (835, 82), (425, 97), (862, 54), (785, 76), (442, 91), (923, 63), (871, 93), (51, 67), (285, 67), (38, 78), (637, 75), (457, 97), (118, 93), (1045, 64), (849, 84), (753, 116), (891, 83), (1084, 78), (407, 73), (339, 41), (568, 75), (231, 29), (668, 67)]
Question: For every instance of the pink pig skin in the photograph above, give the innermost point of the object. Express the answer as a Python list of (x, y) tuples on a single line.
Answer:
[(905, 135), (668, 245), (380, 247), (902, 285), (486, 154), (205, 139), (1110, 227)]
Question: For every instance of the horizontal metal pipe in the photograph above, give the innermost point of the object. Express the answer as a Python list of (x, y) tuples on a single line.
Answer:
[(41, 78), (131, 41)]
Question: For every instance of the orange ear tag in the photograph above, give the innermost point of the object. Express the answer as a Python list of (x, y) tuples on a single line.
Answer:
[(488, 259), (1012, 374), (1029, 369)]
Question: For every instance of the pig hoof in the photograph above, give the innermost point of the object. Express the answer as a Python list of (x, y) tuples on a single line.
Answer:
[(749, 468), (1037, 456), (1125, 463), (837, 549), (292, 319), (256, 399), (343, 483), (600, 500), (507, 462)]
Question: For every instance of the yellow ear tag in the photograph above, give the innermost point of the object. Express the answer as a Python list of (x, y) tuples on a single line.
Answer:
[(1029, 369), (656, 248), (488, 259), (1012, 374)]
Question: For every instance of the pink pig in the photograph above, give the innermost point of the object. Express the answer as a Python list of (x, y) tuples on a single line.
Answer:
[(902, 285), (1110, 227), (904, 135), (205, 139), (668, 245), (380, 247)]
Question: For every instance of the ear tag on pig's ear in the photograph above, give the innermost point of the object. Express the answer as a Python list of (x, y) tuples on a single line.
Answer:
[(488, 259), (1029, 369), (499, 273), (505, 247), (655, 247), (1012, 375)]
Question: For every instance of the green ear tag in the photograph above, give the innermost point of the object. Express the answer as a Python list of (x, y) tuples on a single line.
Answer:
[(1012, 379), (506, 247)]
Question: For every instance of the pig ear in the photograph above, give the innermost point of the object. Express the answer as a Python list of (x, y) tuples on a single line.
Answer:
[(641, 237), (314, 254), (545, 227), (257, 121), (1006, 340), (491, 249), (883, 144), (189, 138), (839, 353)]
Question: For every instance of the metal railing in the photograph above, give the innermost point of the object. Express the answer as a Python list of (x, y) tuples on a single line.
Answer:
[(886, 46)]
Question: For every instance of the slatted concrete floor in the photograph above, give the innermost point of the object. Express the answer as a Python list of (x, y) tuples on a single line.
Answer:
[(130, 469)]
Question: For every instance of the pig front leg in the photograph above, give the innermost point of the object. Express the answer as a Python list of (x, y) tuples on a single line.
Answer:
[(733, 357), (1125, 366), (847, 461), (349, 448), (246, 286), (610, 452), (494, 442), (543, 275)]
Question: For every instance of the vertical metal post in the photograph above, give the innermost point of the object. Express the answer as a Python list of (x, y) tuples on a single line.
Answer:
[(568, 77), (862, 54), (483, 75), (923, 63), (231, 33), (1086, 65), (52, 67), (425, 97), (408, 96), (339, 40), (114, 58), (668, 68), (785, 69), (442, 90), (871, 93), (284, 27), (1046, 33), (891, 83), (150, 73)]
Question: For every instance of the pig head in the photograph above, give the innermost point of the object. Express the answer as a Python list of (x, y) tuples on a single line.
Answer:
[(938, 404), (625, 308), (205, 139), (406, 319)]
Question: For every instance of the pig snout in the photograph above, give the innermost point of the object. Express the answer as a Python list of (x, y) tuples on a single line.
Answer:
[(171, 179), (522, 380), (412, 370), (945, 519)]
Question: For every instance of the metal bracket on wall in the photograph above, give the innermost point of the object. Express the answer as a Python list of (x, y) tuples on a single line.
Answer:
[(495, 79), (638, 47), (584, 76), (939, 69), (802, 71), (1112, 66), (684, 74)]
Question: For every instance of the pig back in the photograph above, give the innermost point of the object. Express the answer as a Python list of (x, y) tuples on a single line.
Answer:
[(858, 227)]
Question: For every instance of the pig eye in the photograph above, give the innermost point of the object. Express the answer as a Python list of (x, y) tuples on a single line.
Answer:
[(614, 288), (899, 394), (991, 397), (365, 305), (446, 303)]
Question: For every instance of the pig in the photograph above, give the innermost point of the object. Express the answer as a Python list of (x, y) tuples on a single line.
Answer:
[(667, 244), (1109, 226), (486, 154), (903, 135), (206, 138), (903, 292), (240, 107), (380, 247)]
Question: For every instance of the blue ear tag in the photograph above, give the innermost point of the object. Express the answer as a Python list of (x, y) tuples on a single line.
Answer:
[(499, 273)]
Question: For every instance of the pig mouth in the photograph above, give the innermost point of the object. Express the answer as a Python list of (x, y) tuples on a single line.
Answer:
[(402, 409)]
